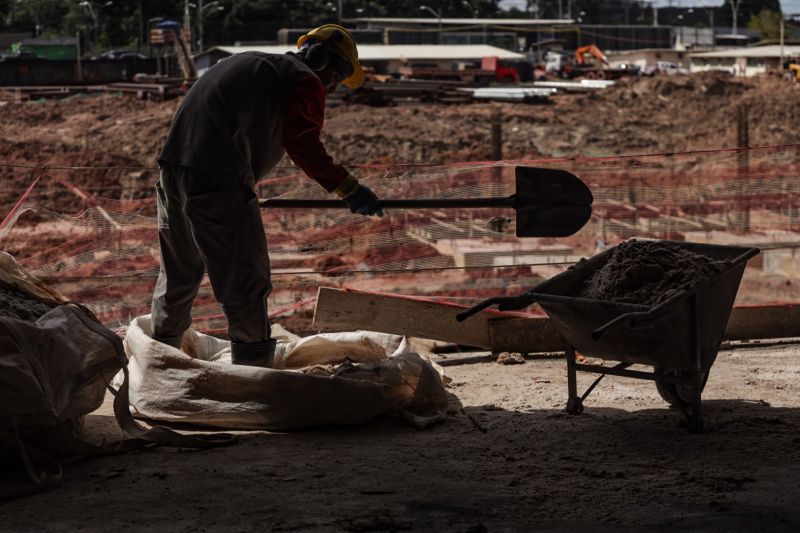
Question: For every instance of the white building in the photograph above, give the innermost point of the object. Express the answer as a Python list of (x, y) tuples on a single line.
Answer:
[(383, 58), (746, 61)]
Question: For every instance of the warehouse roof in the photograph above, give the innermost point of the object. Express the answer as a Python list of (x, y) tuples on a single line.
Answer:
[(467, 21), (772, 50), (412, 52)]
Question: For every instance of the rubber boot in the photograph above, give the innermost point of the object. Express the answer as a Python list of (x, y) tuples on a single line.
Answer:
[(175, 342), (253, 353)]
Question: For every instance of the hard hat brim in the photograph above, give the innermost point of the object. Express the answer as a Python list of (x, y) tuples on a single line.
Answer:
[(356, 79)]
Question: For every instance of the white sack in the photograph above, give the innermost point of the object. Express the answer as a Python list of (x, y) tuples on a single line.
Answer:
[(199, 385)]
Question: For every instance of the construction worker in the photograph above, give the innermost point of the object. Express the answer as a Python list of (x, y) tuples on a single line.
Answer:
[(231, 129)]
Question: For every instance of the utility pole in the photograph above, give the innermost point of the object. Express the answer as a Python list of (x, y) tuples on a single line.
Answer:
[(743, 143), (497, 135), (782, 54), (78, 46)]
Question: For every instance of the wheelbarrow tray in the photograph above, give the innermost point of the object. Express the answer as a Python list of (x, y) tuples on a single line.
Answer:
[(681, 333)]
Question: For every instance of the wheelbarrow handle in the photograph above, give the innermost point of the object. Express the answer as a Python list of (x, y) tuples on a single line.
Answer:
[(639, 319), (499, 300)]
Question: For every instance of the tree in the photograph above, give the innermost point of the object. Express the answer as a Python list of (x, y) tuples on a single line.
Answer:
[(767, 22), (745, 10), (38, 16), (124, 23)]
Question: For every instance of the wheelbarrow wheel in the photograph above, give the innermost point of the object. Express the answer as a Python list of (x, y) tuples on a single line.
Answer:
[(677, 394)]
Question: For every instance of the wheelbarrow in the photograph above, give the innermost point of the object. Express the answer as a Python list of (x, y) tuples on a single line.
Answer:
[(679, 337)]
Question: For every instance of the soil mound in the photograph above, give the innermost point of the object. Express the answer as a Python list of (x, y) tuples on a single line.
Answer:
[(14, 304), (643, 115), (706, 83), (649, 272)]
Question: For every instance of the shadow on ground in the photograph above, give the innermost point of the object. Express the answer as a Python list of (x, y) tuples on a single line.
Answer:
[(485, 469)]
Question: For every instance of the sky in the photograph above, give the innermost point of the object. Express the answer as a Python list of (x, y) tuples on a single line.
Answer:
[(788, 6)]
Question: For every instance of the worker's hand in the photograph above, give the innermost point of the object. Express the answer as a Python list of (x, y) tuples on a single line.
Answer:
[(364, 202)]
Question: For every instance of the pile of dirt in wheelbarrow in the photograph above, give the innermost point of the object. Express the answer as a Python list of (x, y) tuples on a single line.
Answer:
[(15, 304), (649, 272)]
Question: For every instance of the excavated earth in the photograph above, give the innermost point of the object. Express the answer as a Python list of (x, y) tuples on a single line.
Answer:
[(648, 273), (14, 304), (651, 115)]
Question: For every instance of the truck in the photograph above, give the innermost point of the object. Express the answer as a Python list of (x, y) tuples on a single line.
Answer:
[(586, 62), (491, 70)]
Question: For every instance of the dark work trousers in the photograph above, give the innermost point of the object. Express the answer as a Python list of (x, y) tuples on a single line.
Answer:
[(211, 224)]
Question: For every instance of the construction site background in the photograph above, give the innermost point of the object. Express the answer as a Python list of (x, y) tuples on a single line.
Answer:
[(86, 223)]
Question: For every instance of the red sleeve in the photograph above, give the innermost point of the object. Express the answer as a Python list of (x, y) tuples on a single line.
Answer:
[(302, 124)]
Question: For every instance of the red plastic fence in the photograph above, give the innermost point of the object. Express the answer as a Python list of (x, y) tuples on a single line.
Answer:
[(91, 233)]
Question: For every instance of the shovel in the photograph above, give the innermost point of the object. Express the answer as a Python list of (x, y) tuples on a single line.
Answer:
[(548, 203)]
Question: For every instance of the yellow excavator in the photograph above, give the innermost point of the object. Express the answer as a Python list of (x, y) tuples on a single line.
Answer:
[(793, 71)]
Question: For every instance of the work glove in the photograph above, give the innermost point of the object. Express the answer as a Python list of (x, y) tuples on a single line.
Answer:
[(359, 198), (364, 202)]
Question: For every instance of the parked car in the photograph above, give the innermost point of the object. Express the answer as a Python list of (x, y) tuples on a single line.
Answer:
[(19, 54), (664, 67), (121, 53)]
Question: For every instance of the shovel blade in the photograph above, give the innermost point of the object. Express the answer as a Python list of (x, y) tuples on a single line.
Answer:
[(550, 185), (558, 220), (550, 202)]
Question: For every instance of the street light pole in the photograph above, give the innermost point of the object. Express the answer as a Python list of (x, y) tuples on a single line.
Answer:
[(199, 25), (735, 9), (437, 15), (201, 14), (187, 22), (90, 9), (468, 4)]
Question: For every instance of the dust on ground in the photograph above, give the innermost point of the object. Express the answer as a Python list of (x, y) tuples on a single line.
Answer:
[(649, 272), (507, 459), (15, 304)]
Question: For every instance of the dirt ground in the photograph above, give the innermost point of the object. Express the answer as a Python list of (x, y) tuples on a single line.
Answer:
[(507, 459), (637, 116)]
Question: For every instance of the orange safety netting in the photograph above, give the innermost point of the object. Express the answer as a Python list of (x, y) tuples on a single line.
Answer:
[(100, 246)]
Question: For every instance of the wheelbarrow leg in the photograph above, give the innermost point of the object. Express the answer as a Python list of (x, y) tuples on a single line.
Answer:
[(695, 414), (574, 402)]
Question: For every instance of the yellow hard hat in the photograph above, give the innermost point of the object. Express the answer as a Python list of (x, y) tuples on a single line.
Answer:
[(345, 44)]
